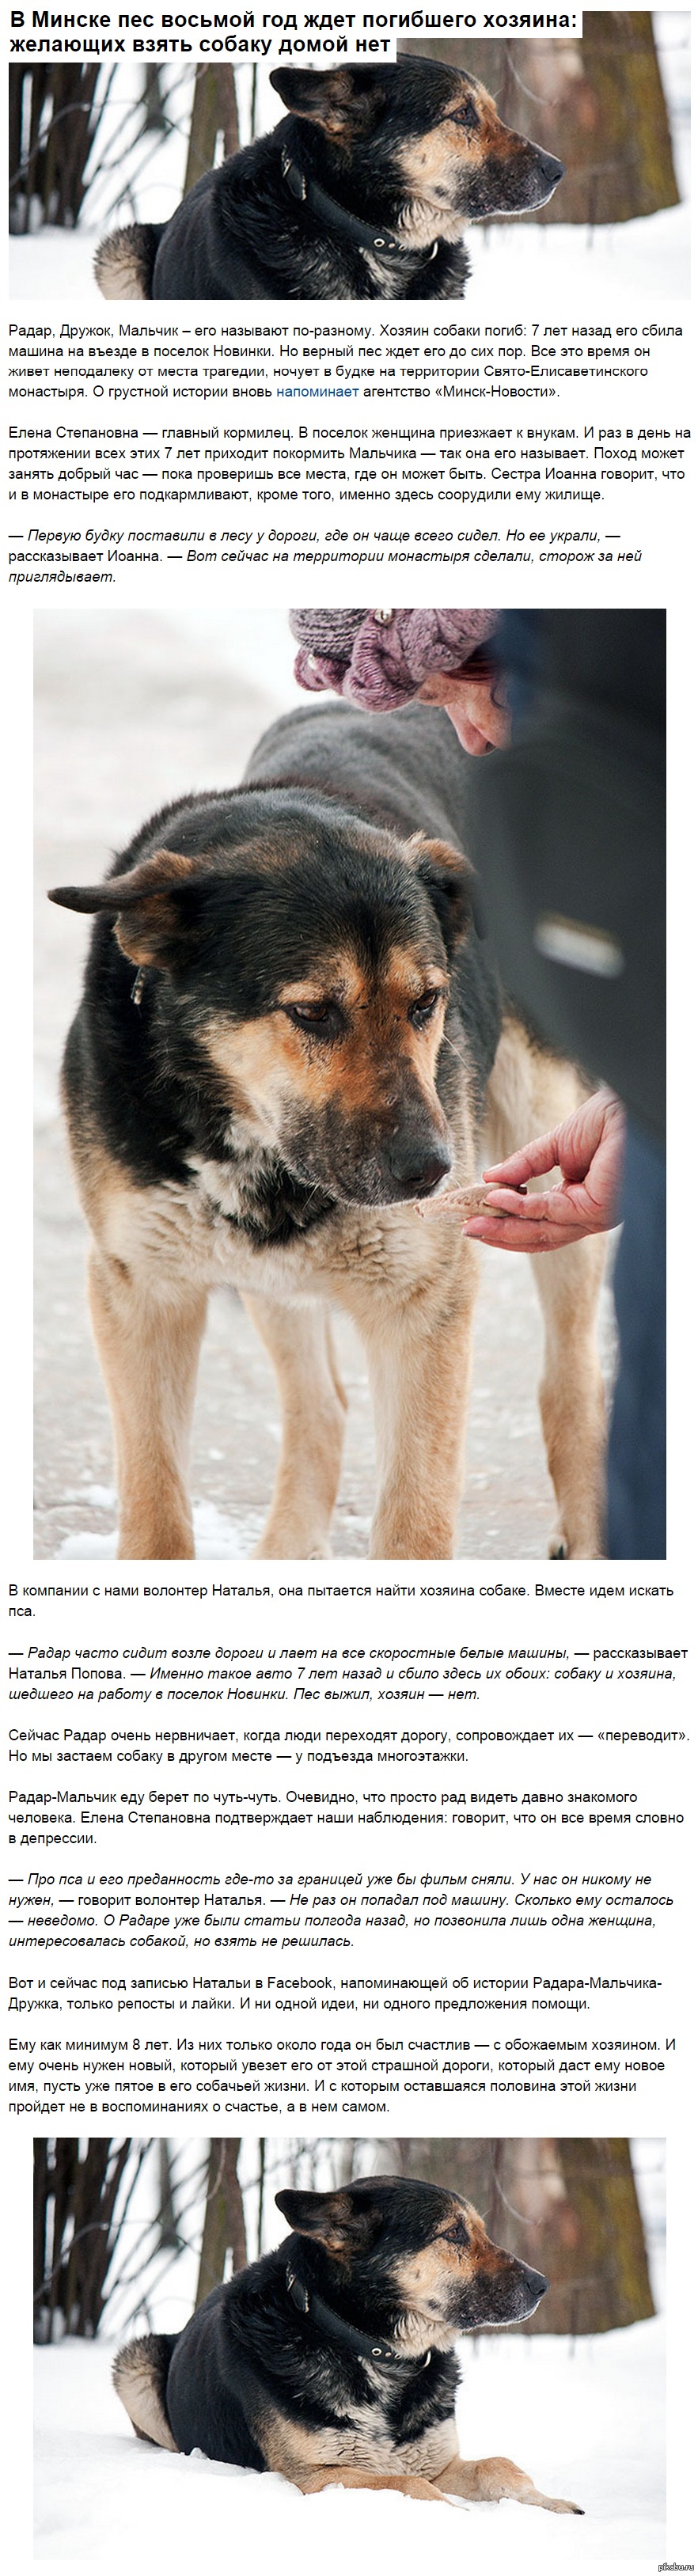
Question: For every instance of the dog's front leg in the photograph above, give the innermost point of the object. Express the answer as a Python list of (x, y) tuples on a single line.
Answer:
[(312, 2481), (419, 1355), (571, 1394), (313, 1406), (496, 2481), (149, 1351)]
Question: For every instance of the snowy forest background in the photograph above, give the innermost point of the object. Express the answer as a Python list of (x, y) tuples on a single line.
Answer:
[(133, 2233), (92, 146)]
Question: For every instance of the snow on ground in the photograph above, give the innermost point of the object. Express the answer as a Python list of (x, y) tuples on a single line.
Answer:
[(587, 2422), (650, 257), (215, 1534)]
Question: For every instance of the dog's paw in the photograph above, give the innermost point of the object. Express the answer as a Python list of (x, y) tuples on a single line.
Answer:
[(464, 1203), (559, 2504), (557, 1545)]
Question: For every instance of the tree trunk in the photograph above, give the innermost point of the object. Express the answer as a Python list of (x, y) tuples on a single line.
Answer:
[(214, 112), (95, 2186), (596, 102), (154, 111), (83, 2237), (567, 2206), (224, 2222), (594, 2242), (56, 157), (41, 2201), (68, 145), (167, 2223), (64, 2170), (17, 172)]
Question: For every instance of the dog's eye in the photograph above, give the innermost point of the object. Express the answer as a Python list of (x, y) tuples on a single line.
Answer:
[(423, 1010), (465, 115), (458, 2234), (319, 1019)]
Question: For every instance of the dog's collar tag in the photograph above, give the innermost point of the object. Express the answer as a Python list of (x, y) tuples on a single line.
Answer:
[(137, 987)]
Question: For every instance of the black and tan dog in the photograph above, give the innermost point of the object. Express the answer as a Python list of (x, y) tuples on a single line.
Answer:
[(332, 2360), (364, 190), (290, 1032)]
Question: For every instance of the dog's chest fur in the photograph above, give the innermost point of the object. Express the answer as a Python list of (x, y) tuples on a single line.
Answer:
[(194, 1233), (363, 2441)]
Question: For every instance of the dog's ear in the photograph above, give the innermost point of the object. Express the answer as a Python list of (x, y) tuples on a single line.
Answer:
[(348, 96), (449, 881), (153, 906), (336, 2220)]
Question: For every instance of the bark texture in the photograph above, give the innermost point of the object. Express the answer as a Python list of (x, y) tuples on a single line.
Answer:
[(224, 2222), (214, 112)]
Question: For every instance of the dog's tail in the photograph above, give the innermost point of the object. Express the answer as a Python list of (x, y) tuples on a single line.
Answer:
[(140, 2379), (125, 261)]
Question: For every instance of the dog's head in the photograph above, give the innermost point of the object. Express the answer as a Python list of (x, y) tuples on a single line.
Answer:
[(418, 2254), (429, 133), (300, 963)]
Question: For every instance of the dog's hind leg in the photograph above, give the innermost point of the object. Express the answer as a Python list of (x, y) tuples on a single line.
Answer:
[(149, 1350), (124, 263), (140, 2379), (313, 1406)]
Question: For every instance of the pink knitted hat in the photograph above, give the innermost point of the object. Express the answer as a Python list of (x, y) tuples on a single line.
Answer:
[(378, 657)]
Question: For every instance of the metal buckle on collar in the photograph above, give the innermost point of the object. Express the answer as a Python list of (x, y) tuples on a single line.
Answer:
[(392, 241), (382, 241), (294, 177), (297, 2291)]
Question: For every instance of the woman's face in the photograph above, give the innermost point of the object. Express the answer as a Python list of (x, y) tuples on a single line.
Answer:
[(481, 717)]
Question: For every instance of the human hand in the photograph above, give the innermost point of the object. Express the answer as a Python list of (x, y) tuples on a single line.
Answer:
[(588, 1148)]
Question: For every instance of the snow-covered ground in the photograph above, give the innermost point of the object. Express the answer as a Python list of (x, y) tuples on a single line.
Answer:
[(588, 2423)]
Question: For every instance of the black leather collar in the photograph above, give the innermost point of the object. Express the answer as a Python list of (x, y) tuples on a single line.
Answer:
[(364, 2347), (336, 219)]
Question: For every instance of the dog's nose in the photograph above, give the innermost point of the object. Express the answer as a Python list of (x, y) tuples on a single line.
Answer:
[(418, 1173), (554, 170), (536, 2283)]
